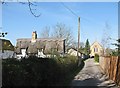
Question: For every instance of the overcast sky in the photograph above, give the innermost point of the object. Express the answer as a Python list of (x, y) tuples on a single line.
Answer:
[(19, 22)]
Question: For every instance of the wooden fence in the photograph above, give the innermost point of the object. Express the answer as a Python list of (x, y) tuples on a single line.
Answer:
[(111, 67)]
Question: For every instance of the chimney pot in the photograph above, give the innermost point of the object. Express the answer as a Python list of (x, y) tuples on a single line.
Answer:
[(34, 36)]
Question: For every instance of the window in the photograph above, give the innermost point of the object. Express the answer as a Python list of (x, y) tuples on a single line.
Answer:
[(95, 49), (40, 50), (23, 51)]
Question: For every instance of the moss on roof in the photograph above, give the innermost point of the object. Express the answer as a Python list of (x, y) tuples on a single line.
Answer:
[(6, 45)]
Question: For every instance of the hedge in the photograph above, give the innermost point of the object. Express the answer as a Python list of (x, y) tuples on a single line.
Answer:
[(35, 71), (96, 58)]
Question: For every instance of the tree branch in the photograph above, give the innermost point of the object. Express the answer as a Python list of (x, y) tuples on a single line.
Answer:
[(3, 2), (31, 10), (30, 4)]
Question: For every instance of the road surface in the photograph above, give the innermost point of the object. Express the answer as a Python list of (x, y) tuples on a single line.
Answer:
[(92, 75)]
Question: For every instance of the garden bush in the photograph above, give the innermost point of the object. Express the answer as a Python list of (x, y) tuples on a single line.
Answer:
[(35, 71), (96, 58)]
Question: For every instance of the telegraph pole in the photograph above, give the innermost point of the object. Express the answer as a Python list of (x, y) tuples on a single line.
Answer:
[(78, 41)]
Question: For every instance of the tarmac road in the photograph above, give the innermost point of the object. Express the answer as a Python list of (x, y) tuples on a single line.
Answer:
[(92, 75)]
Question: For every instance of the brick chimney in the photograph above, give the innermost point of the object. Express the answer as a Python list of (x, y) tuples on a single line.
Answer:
[(34, 36)]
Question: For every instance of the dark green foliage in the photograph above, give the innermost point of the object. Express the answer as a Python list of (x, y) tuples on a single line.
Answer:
[(35, 71), (87, 48), (96, 58), (6, 45), (117, 52)]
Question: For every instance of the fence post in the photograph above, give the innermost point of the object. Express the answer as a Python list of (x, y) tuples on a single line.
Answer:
[(116, 75)]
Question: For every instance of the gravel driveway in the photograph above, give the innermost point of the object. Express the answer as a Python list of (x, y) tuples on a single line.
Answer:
[(92, 75)]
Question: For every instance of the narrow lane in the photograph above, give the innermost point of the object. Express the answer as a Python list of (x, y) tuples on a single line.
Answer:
[(92, 75)]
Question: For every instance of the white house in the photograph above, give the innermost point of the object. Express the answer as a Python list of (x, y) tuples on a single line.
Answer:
[(96, 48), (73, 52), (6, 49)]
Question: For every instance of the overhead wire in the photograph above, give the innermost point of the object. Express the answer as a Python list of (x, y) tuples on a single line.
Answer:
[(69, 9), (79, 16)]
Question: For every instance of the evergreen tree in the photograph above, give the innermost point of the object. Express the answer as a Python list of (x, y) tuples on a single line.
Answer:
[(118, 48), (87, 48)]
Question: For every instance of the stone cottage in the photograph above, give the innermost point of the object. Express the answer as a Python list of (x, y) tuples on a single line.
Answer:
[(6, 49), (96, 48), (40, 47)]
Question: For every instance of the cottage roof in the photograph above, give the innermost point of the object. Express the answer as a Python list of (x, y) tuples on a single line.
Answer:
[(72, 48), (26, 43), (32, 48), (6, 45), (42, 39)]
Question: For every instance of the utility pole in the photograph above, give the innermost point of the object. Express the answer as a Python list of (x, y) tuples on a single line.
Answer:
[(78, 41)]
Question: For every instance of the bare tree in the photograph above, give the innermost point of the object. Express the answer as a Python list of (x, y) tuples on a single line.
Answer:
[(62, 31), (30, 4), (45, 33), (106, 37), (75, 44)]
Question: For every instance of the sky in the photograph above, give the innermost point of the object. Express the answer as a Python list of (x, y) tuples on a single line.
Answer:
[(119, 21), (19, 22)]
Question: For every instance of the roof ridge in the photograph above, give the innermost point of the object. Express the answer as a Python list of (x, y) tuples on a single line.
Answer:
[(97, 42)]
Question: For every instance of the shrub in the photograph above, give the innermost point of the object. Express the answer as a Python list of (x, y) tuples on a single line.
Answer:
[(115, 53), (96, 58), (35, 71)]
